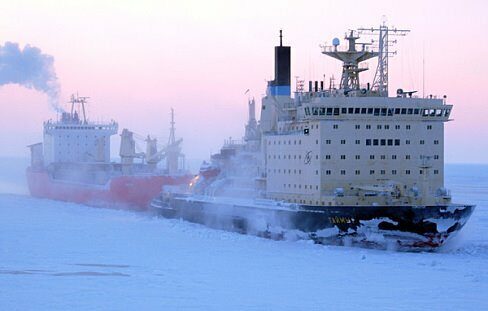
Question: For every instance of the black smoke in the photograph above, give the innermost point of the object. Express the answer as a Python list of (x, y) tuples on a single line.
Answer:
[(30, 68)]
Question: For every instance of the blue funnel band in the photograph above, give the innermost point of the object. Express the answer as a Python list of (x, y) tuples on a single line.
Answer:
[(280, 90)]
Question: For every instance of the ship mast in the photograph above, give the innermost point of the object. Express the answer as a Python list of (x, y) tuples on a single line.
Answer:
[(380, 81), (80, 101), (173, 149), (350, 60), (172, 138)]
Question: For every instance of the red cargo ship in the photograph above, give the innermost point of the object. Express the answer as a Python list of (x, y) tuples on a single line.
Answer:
[(73, 163)]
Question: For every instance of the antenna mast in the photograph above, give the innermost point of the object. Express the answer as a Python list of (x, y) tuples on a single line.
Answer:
[(81, 101), (380, 81), (172, 138)]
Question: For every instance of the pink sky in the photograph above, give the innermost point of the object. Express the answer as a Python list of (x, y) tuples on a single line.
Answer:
[(136, 59)]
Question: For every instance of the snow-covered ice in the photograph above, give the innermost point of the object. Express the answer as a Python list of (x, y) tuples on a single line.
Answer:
[(56, 255)]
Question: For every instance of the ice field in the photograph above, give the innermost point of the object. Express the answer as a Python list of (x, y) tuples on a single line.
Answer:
[(58, 256)]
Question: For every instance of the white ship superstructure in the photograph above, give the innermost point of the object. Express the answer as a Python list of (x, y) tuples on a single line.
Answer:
[(74, 139), (348, 145)]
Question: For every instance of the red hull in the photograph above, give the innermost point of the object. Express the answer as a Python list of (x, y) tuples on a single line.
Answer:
[(134, 192)]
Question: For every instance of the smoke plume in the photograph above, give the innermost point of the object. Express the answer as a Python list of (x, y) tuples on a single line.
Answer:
[(30, 68)]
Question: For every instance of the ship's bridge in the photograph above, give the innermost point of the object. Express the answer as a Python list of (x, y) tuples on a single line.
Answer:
[(50, 125), (375, 107)]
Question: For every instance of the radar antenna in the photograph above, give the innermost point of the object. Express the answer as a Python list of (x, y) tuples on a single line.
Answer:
[(380, 81)]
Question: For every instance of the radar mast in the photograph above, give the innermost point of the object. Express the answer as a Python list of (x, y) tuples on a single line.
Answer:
[(380, 81), (78, 105), (350, 60)]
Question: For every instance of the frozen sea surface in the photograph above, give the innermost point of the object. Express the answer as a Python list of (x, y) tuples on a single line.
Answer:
[(57, 256)]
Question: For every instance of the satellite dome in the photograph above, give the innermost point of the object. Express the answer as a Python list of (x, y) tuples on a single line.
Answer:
[(335, 41)]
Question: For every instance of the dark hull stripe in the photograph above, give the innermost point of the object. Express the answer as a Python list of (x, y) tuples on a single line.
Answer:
[(430, 224)]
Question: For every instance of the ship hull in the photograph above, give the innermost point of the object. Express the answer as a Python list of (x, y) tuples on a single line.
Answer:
[(408, 226), (125, 191)]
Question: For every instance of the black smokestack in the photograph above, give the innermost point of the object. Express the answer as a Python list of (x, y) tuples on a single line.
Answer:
[(282, 63), (30, 68)]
